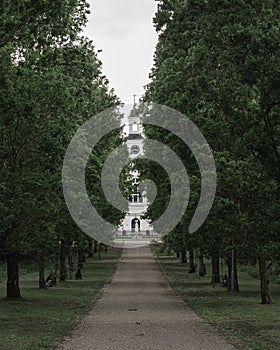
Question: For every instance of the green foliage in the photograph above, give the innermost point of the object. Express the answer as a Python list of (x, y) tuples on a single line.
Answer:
[(51, 83), (217, 62)]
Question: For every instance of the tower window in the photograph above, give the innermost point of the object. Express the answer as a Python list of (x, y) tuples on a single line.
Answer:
[(134, 127)]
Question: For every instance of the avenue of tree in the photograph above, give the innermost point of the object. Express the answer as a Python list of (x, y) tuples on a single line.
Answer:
[(217, 62), (51, 83)]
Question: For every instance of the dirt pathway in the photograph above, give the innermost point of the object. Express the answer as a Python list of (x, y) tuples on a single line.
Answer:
[(139, 311)]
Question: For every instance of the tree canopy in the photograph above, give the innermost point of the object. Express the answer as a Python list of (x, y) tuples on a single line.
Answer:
[(51, 83), (217, 63)]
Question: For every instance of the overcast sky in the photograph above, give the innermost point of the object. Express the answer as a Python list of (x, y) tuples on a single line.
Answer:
[(123, 29)]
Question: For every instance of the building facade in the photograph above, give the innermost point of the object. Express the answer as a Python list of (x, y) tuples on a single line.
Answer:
[(133, 225)]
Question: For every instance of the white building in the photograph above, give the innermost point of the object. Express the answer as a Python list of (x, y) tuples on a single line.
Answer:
[(133, 226)]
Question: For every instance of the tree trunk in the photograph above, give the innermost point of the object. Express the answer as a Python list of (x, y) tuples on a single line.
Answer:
[(70, 262), (201, 269), (264, 276), (191, 259), (215, 270), (81, 258), (13, 290), (63, 255), (99, 250), (232, 269), (177, 254), (183, 256), (90, 248), (95, 246), (42, 281)]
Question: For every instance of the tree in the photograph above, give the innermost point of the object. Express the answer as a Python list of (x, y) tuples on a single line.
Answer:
[(216, 62), (51, 83)]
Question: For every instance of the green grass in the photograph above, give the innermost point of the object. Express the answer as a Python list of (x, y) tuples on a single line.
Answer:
[(238, 316), (44, 316)]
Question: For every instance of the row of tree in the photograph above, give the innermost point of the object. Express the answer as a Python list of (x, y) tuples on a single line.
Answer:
[(51, 83), (217, 62)]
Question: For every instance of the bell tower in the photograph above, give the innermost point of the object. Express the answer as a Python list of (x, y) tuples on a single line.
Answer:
[(135, 138), (134, 227), (134, 123)]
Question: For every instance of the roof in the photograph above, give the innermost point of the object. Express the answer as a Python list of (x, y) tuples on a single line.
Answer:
[(135, 137), (133, 113)]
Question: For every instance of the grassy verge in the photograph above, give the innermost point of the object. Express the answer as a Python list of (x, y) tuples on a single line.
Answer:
[(44, 316), (238, 316)]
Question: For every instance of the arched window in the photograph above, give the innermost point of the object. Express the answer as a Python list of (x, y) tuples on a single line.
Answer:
[(135, 225)]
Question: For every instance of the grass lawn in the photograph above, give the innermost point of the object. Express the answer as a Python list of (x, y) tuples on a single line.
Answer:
[(238, 316), (44, 316)]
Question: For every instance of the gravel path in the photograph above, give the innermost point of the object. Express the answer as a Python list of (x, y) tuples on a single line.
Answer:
[(139, 311)]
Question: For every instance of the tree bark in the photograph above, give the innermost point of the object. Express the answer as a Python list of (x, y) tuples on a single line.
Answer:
[(201, 270), (215, 260), (191, 259), (264, 276), (63, 255), (95, 246), (70, 262), (90, 248), (183, 256), (13, 290), (99, 250), (232, 279), (81, 258), (42, 281)]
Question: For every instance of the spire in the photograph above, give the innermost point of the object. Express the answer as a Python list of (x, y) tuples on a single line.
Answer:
[(133, 112), (134, 122)]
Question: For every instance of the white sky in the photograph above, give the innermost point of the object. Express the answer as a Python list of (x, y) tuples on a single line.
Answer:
[(123, 29)]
